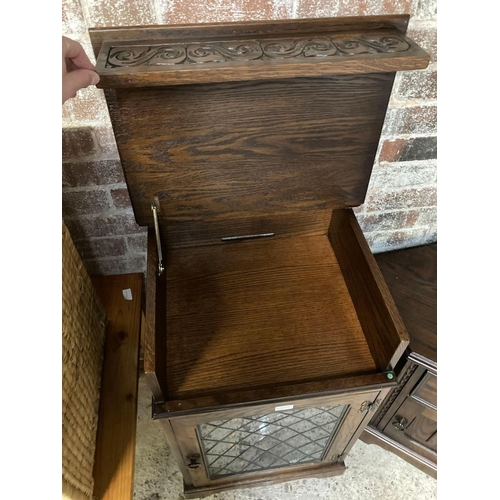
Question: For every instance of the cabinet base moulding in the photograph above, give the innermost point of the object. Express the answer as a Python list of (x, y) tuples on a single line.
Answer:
[(330, 470)]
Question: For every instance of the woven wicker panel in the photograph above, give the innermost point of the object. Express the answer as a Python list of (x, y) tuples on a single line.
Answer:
[(83, 333)]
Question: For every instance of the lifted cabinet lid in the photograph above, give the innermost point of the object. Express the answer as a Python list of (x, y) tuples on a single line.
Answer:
[(250, 128)]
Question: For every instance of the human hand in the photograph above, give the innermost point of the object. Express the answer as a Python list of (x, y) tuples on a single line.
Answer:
[(77, 70)]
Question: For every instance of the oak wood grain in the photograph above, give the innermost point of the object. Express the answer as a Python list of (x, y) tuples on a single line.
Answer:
[(185, 430), (380, 64), (406, 381), (277, 477), (420, 434), (155, 335), (411, 275), (233, 145), (276, 394), (162, 62), (355, 420), (250, 29), (382, 325), (176, 451), (182, 233), (373, 436), (115, 448), (355, 432), (257, 313), (427, 390), (257, 154)]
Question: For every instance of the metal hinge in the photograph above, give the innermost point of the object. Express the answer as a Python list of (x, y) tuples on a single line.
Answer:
[(338, 458), (155, 207), (369, 406)]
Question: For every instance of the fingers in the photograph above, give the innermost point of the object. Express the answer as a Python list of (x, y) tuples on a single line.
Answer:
[(78, 71), (76, 80), (74, 51)]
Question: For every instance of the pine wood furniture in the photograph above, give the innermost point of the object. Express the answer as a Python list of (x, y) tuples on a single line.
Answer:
[(101, 319), (114, 462), (271, 335)]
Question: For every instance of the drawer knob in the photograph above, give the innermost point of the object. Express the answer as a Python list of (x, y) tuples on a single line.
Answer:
[(193, 462), (400, 423)]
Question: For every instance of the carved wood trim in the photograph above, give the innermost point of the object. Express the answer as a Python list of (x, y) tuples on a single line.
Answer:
[(154, 56), (393, 395), (121, 56)]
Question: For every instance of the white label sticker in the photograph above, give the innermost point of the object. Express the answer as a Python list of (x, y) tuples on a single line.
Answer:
[(285, 407), (127, 294)]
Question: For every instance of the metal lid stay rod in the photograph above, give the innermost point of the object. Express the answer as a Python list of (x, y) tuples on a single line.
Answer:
[(155, 207)]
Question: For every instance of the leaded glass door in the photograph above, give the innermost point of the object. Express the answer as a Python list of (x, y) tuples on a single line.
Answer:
[(225, 446)]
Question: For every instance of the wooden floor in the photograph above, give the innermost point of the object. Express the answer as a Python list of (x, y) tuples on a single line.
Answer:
[(247, 313)]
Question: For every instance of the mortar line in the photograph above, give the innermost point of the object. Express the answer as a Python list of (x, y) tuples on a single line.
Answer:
[(94, 187)]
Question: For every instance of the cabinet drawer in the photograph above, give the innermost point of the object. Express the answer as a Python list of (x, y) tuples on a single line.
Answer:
[(415, 426), (426, 391)]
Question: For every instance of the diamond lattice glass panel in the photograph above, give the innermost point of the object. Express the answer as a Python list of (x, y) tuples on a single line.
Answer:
[(279, 439)]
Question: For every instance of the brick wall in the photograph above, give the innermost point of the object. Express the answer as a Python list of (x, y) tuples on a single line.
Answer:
[(400, 208)]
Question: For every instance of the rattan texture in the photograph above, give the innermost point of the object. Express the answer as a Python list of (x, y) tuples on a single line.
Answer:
[(83, 334)]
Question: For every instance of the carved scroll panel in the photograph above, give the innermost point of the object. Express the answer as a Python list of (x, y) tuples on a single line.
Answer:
[(123, 56)]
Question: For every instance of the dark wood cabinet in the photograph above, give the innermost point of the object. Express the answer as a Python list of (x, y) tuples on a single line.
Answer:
[(406, 423), (271, 335), (264, 442)]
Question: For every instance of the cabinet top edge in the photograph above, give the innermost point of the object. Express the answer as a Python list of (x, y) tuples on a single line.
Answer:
[(98, 35), (185, 54)]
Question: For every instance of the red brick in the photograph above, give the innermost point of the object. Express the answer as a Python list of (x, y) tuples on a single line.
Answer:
[(408, 149), (391, 150), (370, 222), (422, 217), (72, 18), (208, 11), (130, 226), (425, 35), (78, 142), (380, 200), (88, 105), (106, 142), (124, 13), (384, 241), (427, 9), (376, 7), (88, 227), (325, 8), (392, 176), (85, 202), (96, 248), (121, 198), (88, 141), (316, 8), (136, 264), (410, 120), (92, 173), (417, 85), (137, 244), (98, 226)]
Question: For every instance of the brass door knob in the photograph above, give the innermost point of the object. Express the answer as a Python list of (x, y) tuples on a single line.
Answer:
[(400, 423), (193, 462)]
